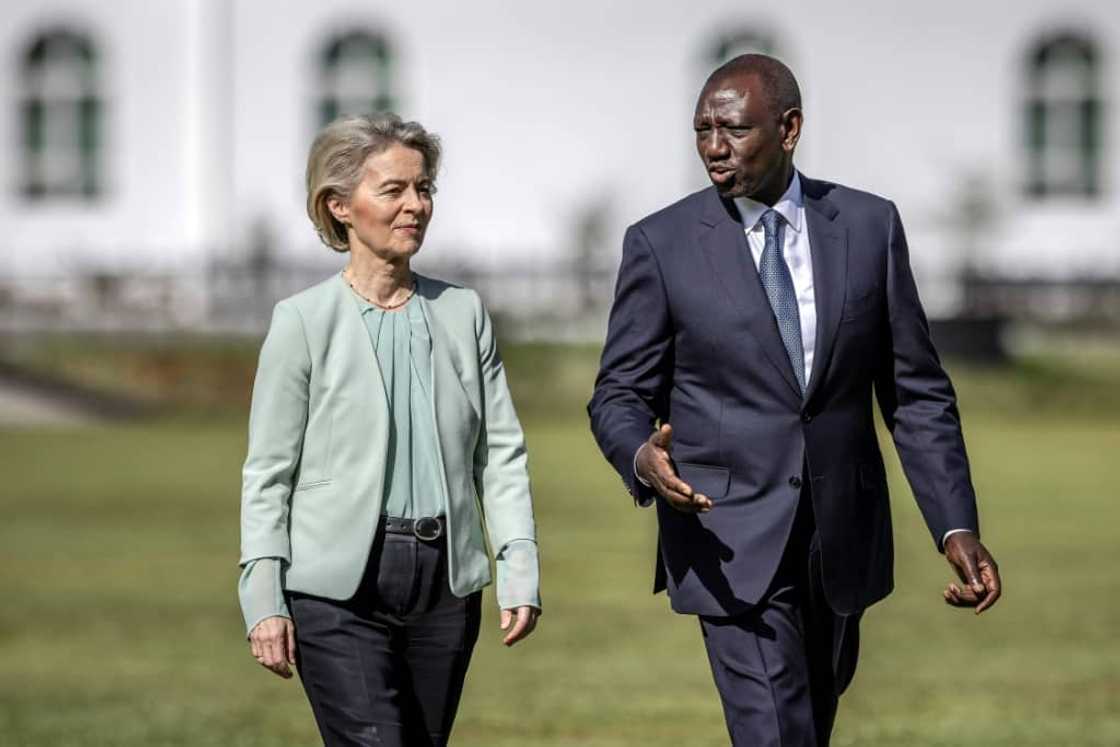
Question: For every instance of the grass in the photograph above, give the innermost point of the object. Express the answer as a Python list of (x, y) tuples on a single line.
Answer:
[(119, 624)]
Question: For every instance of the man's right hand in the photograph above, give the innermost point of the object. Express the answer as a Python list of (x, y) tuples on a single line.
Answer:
[(654, 465), (273, 643)]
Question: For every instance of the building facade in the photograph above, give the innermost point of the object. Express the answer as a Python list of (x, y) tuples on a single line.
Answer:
[(156, 140)]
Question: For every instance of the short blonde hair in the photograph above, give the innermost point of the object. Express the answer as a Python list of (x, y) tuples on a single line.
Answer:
[(338, 154)]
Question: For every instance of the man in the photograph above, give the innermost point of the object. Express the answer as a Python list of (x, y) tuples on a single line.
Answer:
[(752, 320)]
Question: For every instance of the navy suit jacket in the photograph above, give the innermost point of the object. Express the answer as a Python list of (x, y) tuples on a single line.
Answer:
[(692, 341)]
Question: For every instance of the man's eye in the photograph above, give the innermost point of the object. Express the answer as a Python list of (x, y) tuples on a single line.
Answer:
[(738, 131)]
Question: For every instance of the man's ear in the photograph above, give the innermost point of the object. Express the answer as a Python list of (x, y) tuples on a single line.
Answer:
[(791, 127), (339, 208)]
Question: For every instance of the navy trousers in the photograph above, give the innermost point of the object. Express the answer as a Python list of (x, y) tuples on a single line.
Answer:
[(387, 666), (781, 667)]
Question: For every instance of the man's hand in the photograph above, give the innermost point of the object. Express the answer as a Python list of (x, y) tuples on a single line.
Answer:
[(526, 623), (654, 465), (981, 586), (273, 642)]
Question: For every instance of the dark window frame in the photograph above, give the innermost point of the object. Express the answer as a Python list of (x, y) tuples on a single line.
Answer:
[(1085, 107), (80, 112), (378, 50)]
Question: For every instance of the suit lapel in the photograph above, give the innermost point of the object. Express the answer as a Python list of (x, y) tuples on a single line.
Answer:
[(724, 244), (829, 248)]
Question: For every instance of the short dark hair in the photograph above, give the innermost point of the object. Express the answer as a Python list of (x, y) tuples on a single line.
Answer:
[(781, 89)]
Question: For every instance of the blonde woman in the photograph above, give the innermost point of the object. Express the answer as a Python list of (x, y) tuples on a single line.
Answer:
[(383, 443)]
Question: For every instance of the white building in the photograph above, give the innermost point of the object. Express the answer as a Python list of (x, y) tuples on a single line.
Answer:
[(152, 136)]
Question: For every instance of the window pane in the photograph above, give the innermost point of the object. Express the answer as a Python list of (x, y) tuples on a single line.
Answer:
[(356, 77), (742, 42), (1062, 118), (62, 116)]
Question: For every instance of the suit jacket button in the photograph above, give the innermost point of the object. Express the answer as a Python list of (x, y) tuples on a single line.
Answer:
[(806, 417), (795, 482)]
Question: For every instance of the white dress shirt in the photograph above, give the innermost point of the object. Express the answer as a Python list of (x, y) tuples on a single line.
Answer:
[(798, 257)]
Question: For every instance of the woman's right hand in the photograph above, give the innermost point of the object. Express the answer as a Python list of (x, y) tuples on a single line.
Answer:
[(273, 643)]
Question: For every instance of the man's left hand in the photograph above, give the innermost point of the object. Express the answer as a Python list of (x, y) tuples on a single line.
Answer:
[(980, 582)]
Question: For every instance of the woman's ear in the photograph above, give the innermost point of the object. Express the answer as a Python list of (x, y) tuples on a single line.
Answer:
[(339, 208)]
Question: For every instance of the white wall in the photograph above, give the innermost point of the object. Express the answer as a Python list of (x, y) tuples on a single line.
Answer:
[(547, 107), (149, 212)]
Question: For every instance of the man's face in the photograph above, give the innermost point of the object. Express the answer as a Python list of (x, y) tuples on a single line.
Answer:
[(743, 143)]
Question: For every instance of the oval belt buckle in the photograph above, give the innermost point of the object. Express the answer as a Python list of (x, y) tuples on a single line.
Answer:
[(427, 528)]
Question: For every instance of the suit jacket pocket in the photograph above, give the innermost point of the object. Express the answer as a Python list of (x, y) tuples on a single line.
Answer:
[(710, 480), (311, 484)]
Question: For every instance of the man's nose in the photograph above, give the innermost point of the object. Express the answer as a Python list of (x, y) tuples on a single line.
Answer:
[(714, 145)]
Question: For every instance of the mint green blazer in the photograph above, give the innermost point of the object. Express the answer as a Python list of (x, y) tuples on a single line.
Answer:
[(314, 475)]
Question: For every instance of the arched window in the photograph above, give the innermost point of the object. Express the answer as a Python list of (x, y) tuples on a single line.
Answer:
[(355, 75), (734, 43), (1063, 117), (61, 113)]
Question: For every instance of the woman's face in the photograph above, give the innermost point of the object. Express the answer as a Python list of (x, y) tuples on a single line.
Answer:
[(389, 210)]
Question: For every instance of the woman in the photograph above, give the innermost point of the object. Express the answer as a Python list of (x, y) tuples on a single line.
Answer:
[(382, 440)]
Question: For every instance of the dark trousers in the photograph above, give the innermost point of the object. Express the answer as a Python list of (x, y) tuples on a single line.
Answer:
[(781, 667), (386, 667)]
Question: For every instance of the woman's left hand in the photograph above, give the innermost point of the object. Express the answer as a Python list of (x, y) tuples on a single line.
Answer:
[(523, 621)]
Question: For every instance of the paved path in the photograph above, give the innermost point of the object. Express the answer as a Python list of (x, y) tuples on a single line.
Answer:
[(24, 405)]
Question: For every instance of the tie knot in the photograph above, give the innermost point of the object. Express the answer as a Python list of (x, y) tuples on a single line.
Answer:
[(770, 220)]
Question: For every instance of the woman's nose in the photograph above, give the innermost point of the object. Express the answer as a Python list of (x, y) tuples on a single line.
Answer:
[(413, 202)]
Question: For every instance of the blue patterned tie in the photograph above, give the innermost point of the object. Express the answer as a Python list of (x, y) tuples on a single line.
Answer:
[(778, 284)]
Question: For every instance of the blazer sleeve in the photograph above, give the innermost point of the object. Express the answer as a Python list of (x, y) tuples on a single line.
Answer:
[(277, 419), (632, 387), (501, 470), (919, 405)]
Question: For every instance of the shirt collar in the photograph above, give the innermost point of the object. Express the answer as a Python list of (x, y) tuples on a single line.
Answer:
[(788, 206)]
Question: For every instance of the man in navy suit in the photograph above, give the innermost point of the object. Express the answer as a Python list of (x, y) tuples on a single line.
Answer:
[(752, 322)]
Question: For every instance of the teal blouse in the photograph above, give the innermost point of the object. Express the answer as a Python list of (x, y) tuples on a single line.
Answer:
[(401, 342), (403, 348)]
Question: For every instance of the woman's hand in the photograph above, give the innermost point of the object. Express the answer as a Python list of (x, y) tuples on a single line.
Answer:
[(273, 643), (526, 621)]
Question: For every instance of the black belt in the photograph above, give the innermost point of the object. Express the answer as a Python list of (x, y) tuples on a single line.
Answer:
[(427, 528)]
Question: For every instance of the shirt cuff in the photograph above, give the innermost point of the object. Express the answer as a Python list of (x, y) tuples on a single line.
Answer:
[(642, 500), (951, 532), (636, 475), (518, 571), (261, 591)]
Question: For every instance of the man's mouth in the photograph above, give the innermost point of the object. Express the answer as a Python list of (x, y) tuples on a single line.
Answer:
[(721, 174)]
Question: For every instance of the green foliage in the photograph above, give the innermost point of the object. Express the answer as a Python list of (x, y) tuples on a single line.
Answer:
[(119, 626)]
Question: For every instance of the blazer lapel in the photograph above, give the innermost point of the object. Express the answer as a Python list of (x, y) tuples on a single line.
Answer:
[(724, 243), (444, 377), (360, 368), (829, 248)]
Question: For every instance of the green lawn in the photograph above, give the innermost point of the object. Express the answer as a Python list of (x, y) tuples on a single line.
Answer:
[(119, 622)]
